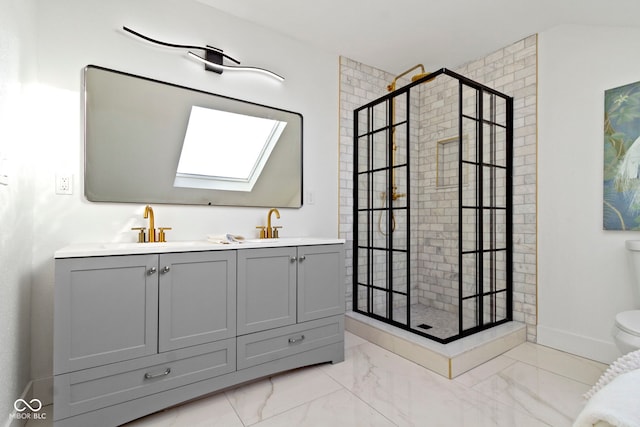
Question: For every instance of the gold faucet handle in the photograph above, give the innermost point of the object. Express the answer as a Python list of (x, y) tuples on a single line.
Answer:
[(275, 234), (263, 231), (141, 234), (161, 235)]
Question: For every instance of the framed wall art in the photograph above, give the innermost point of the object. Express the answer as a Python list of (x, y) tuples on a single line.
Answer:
[(621, 195)]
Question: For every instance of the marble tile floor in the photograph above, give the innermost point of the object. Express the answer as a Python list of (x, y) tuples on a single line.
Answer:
[(530, 385)]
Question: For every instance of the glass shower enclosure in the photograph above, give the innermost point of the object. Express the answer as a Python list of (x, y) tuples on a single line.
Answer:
[(433, 207)]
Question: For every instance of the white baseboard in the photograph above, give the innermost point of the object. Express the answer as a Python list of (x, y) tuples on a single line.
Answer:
[(591, 348)]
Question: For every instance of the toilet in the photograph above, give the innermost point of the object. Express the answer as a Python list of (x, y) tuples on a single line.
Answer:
[(626, 332)]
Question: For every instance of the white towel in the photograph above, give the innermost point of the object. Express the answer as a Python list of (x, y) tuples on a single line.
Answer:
[(617, 403), (628, 362), (225, 239)]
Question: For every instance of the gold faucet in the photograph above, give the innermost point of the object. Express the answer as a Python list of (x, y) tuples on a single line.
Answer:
[(272, 231), (148, 213)]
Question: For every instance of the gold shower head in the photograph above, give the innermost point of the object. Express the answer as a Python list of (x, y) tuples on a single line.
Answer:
[(392, 86), (418, 76)]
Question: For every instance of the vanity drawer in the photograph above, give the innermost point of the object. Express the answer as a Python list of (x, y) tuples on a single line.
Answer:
[(262, 347), (91, 389)]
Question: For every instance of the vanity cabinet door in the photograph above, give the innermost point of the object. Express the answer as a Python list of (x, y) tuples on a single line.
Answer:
[(266, 289), (106, 310), (197, 298), (320, 281)]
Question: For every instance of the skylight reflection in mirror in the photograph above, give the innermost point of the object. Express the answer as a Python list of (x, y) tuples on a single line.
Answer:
[(225, 151)]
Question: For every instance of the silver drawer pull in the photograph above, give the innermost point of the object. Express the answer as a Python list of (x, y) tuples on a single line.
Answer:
[(151, 271), (295, 340), (149, 376)]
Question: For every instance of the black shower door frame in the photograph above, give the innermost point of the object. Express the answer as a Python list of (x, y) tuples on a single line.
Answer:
[(482, 253)]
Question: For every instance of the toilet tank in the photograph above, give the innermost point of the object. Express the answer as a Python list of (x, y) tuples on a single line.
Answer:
[(633, 246)]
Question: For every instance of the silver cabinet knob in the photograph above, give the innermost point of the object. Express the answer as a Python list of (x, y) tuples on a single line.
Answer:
[(302, 258), (151, 271), (166, 269), (293, 259)]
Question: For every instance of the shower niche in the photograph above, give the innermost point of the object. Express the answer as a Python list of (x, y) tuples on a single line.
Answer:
[(432, 207)]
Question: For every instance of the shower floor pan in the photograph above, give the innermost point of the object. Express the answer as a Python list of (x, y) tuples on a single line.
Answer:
[(442, 324), (448, 360)]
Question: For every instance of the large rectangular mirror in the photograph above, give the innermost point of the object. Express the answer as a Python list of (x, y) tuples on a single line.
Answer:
[(148, 141)]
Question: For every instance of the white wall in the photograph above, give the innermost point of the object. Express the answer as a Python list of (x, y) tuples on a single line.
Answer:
[(17, 69), (74, 33), (584, 274)]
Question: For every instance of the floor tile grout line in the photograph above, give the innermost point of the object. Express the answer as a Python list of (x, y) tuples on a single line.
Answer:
[(374, 409), (355, 395), (554, 372), (506, 377), (522, 411), (324, 368), (235, 411), (458, 381), (540, 348)]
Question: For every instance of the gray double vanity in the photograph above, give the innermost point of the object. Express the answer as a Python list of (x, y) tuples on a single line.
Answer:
[(141, 327)]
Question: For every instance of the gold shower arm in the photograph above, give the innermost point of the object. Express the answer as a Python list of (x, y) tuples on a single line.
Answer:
[(391, 87)]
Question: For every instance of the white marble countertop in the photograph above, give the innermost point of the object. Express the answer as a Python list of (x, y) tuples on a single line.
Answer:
[(125, 248)]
